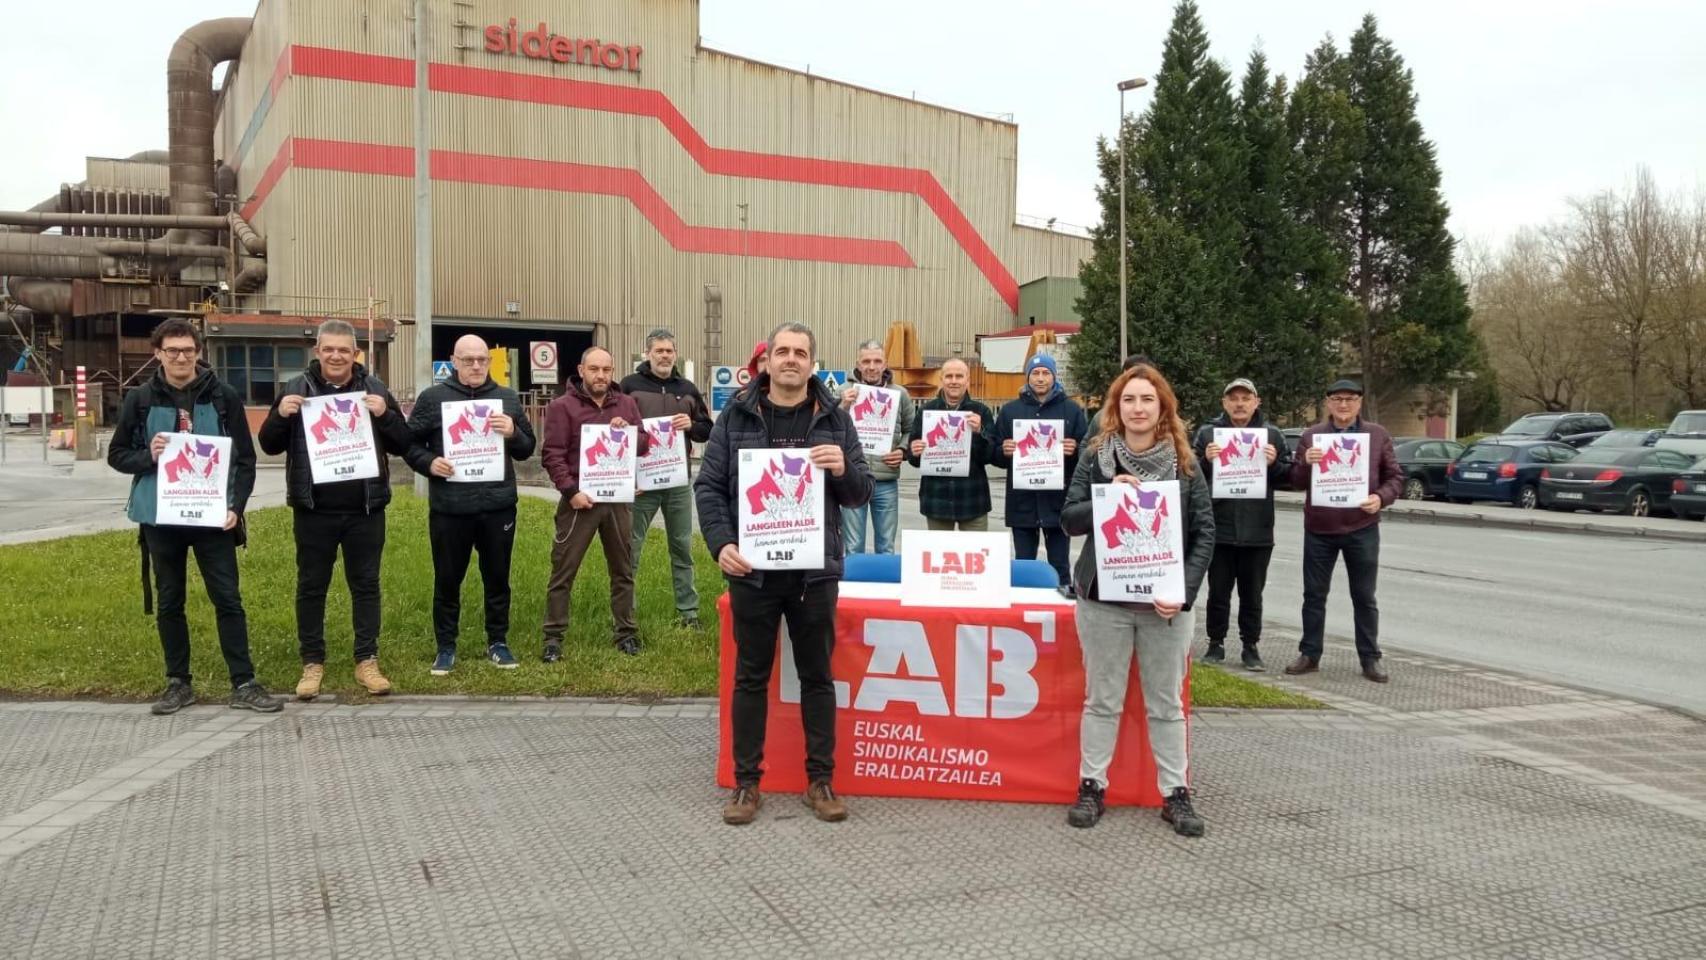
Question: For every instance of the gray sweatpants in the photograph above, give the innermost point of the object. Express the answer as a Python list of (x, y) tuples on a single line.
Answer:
[(1109, 633)]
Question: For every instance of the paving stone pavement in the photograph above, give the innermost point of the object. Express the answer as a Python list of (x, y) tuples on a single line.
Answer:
[(559, 828)]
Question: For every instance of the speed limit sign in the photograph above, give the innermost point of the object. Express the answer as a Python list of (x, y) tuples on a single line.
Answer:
[(543, 359)]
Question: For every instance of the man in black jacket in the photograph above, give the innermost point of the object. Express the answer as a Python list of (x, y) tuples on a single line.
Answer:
[(471, 515), (1243, 529), (347, 513), (786, 407), (661, 391), (183, 397)]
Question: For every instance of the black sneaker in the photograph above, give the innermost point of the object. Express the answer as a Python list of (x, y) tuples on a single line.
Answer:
[(1089, 807), (688, 621), (553, 652), (1214, 654), (629, 645), (178, 695), (253, 696), (1253, 660), (1177, 810)]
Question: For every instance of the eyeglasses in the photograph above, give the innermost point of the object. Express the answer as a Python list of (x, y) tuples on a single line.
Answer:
[(1344, 399), (475, 361), (180, 353)]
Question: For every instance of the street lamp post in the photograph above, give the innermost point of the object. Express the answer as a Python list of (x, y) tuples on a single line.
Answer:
[(1124, 85)]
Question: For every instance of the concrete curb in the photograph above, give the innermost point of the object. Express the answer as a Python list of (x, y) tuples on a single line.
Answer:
[(1410, 512)]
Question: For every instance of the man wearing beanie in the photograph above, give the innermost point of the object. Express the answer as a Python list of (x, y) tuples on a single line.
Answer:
[(1034, 515)]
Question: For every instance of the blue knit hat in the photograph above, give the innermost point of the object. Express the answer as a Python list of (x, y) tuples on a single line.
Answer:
[(1041, 360)]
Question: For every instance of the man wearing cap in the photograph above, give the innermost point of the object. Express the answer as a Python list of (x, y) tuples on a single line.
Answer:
[(1034, 515), (1330, 531), (1243, 529)]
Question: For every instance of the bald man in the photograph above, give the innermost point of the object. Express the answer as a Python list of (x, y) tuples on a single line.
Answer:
[(592, 398), (474, 516), (955, 503)]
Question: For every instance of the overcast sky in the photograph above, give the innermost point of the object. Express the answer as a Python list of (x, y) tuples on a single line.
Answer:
[(1529, 103)]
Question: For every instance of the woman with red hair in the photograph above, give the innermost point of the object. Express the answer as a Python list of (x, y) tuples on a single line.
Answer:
[(1139, 438)]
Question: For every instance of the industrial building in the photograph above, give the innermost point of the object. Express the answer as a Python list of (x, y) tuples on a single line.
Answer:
[(597, 172)]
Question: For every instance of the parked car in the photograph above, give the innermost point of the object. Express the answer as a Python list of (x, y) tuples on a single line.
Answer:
[(1423, 461), (1575, 429), (1508, 470), (1627, 439), (1686, 434), (1292, 435), (1688, 492), (1636, 482)]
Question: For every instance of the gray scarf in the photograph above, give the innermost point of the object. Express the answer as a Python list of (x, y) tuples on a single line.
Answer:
[(1160, 462)]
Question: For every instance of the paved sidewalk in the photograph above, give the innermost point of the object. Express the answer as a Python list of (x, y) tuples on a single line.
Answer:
[(1439, 816), (1504, 515)]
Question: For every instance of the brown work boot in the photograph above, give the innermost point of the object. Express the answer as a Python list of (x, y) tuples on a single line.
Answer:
[(1373, 671), (367, 674), (742, 806), (1303, 664), (824, 803), (309, 686)]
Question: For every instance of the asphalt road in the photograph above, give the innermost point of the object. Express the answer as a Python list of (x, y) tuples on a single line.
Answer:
[(1621, 615)]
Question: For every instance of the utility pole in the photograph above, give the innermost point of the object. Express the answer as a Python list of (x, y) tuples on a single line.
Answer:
[(423, 217)]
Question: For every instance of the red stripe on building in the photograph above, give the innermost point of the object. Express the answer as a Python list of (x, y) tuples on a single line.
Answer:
[(559, 177), (331, 64)]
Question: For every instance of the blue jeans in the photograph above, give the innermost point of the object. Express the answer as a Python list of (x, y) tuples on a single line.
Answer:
[(884, 509)]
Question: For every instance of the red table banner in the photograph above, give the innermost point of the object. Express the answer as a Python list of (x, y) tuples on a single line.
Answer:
[(951, 703)]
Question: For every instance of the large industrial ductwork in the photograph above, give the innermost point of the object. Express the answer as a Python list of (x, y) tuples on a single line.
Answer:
[(191, 116), (46, 297), (92, 258)]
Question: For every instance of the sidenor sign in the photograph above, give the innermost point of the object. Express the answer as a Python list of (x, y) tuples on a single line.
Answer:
[(541, 44)]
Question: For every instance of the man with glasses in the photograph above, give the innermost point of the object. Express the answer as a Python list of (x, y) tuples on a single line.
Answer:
[(184, 397), (661, 391), (471, 516), (1329, 532), (347, 513)]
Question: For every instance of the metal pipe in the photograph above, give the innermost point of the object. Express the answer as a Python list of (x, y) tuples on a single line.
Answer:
[(191, 115), (48, 255), (30, 218), (45, 297), (159, 249), (251, 278), (246, 235)]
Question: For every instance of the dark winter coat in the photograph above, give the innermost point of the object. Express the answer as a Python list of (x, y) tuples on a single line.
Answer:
[(741, 427), (1384, 478), (1037, 508), (289, 436), (564, 419), (955, 498), (1244, 523), (1198, 532), (426, 422)]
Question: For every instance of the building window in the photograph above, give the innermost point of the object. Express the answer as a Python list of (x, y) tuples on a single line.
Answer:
[(256, 370)]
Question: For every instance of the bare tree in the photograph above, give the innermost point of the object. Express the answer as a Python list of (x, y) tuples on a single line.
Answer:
[(1539, 339), (1611, 246), (1681, 354)]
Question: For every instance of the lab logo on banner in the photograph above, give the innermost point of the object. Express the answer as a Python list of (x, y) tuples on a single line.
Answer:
[(610, 449), (475, 421), (1140, 524), (1245, 447), (1342, 459), (783, 489), (340, 419), (195, 459), (1039, 437)]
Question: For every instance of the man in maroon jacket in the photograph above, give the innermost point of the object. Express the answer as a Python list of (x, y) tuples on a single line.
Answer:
[(1352, 531), (590, 399)]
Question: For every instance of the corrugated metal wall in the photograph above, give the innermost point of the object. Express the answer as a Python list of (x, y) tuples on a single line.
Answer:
[(582, 257)]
